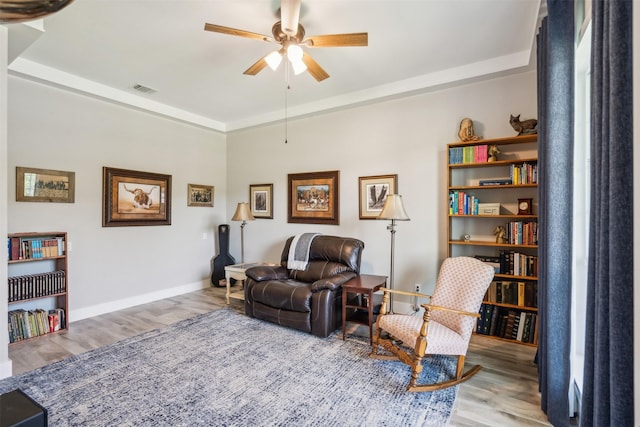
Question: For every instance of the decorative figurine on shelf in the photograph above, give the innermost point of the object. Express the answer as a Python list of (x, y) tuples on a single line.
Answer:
[(466, 132), (493, 153), (501, 234), (526, 127), (467, 238)]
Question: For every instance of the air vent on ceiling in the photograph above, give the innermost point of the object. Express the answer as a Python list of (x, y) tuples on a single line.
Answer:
[(144, 89)]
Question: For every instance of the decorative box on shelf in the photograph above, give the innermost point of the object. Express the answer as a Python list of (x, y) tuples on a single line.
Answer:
[(489, 209)]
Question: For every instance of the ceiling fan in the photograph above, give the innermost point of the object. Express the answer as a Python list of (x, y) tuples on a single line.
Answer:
[(290, 34)]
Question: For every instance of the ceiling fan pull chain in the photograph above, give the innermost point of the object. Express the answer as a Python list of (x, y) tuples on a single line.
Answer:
[(286, 105)]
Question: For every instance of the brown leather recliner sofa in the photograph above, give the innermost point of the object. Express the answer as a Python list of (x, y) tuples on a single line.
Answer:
[(309, 300)]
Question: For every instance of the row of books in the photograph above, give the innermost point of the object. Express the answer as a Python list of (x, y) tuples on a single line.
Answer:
[(469, 154), (36, 285), (25, 324), (34, 248), (461, 203), (518, 264), (523, 294), (526, 173), (512, 263), (522, 233), (509, 324)]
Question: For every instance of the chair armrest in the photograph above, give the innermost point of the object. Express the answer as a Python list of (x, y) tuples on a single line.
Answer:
[(451, 310), (267, 272), (332, 283), (409, 293)]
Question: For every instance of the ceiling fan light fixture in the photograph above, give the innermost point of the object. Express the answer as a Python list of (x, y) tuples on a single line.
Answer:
[(274, 59), (299, 67), (294, 52)]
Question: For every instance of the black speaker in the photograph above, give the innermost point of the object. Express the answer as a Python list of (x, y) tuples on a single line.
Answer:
[(19, 410)]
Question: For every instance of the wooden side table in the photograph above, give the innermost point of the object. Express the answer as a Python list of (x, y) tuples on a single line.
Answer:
[(363, 285), (237, 272)]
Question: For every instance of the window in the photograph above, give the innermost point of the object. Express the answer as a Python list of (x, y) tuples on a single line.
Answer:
[(581, 191)]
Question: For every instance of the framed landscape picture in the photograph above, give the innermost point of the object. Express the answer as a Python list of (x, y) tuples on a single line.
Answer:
[(200, 195), (313, 198), (261, 200), (44, 185), (373, 191), (135, 198)]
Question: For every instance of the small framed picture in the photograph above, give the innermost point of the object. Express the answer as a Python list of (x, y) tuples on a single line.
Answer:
[(373, 192), (200, 195), (44, 185), (261, 200)]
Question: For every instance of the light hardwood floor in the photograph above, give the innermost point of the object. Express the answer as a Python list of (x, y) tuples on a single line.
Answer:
[(503, 393)]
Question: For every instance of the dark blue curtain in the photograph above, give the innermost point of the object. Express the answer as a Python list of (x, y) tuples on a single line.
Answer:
[(555, 166), (607, 398)]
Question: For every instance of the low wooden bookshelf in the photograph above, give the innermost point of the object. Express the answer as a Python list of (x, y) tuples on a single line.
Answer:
[(37, 284)]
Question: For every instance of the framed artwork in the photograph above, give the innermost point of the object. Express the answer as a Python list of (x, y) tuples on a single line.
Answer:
[(44, 185), (200, 195), (261, 200), (373, 191), (314, 198), (135, 198)]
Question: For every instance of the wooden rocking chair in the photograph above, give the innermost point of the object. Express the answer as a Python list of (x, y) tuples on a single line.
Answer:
[(446, 326)]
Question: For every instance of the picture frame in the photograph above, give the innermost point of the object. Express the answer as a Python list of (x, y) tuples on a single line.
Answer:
[(200, 195), (134, 198), (45, 185), (372, 193), (261, 200), (314, 197)]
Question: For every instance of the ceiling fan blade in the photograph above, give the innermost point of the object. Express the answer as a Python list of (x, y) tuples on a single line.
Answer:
[(338, 40), (290, 16), (257, 67), (314, 68), (236, 32)]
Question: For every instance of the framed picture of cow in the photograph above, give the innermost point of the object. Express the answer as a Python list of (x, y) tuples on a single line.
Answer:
[(133, 198), (313, 198)]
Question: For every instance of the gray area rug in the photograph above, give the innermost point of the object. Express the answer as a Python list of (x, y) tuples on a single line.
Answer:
[(226, 369)]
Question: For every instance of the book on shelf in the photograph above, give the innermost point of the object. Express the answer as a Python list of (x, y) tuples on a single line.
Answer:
[(497, 181), (462, 203), (25, 324), (35, 248), (469, 154), (521, 294)]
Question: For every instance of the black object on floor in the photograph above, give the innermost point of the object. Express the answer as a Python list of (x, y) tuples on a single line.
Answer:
[(19, 410)]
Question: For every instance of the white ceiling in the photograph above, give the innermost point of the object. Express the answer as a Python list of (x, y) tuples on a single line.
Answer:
[(105, 47)]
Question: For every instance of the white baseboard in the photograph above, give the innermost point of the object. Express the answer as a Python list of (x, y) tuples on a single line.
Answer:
[(108, 307), (6, 368)]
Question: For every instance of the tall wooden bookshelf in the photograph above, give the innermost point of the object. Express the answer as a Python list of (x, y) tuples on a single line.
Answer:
[(484, 195), (37, 284)]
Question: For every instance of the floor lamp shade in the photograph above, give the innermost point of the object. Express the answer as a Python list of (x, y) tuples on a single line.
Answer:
[(243, 213), (393, 210)]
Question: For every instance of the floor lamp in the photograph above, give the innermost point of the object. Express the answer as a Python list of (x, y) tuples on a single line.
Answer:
[(393, 209), (243, 213)]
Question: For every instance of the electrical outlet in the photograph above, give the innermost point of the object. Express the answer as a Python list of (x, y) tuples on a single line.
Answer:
[(417, 287)]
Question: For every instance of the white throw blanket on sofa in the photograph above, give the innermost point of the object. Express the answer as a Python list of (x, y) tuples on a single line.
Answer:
[(299, 251)]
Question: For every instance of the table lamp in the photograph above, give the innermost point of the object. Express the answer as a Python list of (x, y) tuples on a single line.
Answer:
[(243, 213), (393, 209)]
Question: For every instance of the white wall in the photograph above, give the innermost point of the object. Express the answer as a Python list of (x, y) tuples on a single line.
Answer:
[(5, 362), (407, 137), (115, 267)]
